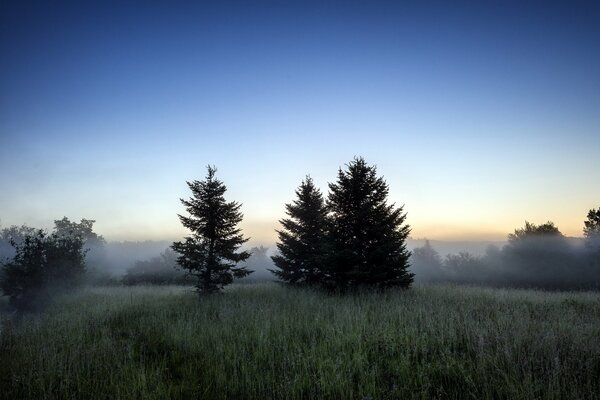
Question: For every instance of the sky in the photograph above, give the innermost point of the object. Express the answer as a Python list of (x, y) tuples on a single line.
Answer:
[(480, 115)]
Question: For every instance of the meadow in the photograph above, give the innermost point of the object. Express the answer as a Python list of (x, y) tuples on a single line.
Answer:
[(263, 341)]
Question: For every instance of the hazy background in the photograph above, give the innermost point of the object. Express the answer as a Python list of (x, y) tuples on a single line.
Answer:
[(478, 116)]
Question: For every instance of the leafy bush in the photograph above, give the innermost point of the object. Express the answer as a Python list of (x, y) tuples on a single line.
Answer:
[(43, 264)]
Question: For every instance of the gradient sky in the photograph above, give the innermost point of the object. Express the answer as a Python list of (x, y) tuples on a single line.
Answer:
[(480, 115)]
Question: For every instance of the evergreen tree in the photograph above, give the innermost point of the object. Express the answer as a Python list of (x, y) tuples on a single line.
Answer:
[(367, 236), (301, 240), (210, 253)]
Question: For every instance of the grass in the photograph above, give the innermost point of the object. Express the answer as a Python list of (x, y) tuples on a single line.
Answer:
[(264, 341)]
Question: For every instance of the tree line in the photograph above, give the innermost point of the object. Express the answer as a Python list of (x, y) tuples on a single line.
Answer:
[(43, 263), (351, 238), (536, 256)]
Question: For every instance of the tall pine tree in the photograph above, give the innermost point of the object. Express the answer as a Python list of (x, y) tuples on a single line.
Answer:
[(210, 253), (367, 236), (300, 258)]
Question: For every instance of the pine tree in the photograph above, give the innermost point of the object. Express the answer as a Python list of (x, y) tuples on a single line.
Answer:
[(367, 236), (301, 240), (210, 253)]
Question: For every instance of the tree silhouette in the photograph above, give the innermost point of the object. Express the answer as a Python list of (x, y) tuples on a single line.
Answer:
[(427, 264), (367, 236), (539, 256), (84, 229), (10, 236), (210, 253), (300, 258), (42, 264), (591, 229), (529, 231), (93, 244)]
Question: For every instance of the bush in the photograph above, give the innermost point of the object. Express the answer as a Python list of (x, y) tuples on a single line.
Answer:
[(42, 265), (159, 270)]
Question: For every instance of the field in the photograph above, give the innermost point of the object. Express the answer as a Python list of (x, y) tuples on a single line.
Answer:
[(264, 341)]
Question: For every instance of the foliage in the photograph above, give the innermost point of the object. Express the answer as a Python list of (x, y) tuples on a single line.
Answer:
[(83, 229), (464, 268), (96, 261), (12, 234), (366, 235), (530, 231), (591, 229), (42, 264), (539, 256), (159, 270), (263, 341), (210, 253), (427, 264), (300, 245), (534, 257)]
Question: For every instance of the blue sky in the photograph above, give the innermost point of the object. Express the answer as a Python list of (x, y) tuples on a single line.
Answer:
[(480, 116)]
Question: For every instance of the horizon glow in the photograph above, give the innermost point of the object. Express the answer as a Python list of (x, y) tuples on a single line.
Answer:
[(479, 116)]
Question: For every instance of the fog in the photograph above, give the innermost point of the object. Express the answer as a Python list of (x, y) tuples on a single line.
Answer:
[(540, 261), (554, 262)]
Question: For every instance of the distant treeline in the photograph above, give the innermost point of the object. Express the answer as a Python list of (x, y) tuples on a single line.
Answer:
[(352, 238), (163, 269), (536, 256)]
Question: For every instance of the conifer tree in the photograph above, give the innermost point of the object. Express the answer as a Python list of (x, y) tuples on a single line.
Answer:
[(300, 258), (367, 236), (210, 253)]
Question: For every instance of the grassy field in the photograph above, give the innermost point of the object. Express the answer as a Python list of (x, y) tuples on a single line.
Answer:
[(264, 341)]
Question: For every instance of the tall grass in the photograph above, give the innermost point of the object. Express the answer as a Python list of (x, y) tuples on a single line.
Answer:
[(264, 341)]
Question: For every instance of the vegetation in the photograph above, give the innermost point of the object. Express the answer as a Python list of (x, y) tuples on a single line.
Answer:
[(591, 230), (12, 234), (301, 241), (83, 229), (210, 253), (265, 341), (356, 239), (366, 235), (42, 264), (536, 256), (159, 270)]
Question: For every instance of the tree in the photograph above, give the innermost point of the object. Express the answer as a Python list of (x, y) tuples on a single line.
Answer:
[(300, 258), (529, 231), (42, 264), (13, 234), (84, 229), (539, 256), (367, 236), (426, 263), (591, 229), (210, 253), (464, 267), (93, 244)]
